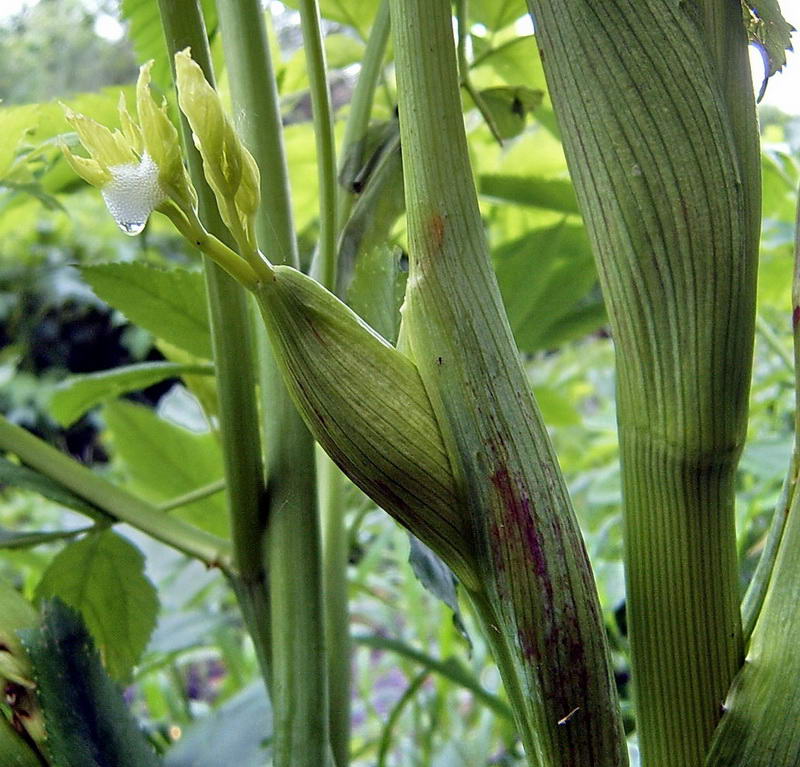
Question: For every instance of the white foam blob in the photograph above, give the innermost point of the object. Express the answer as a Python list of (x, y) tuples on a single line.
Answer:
[(133, 193)]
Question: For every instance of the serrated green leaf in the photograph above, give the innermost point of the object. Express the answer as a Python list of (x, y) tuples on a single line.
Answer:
[(30, 161), (88, 724), (102, 576), (516, 63), (79, 393), (171, 304), (770, 31), (27, 479), (163, 461)]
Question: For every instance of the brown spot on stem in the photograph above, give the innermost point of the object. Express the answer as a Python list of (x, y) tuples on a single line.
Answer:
[(795, 316), (435, 232)]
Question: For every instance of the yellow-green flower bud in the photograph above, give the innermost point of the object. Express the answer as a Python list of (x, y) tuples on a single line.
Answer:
[(137, 168), (161, 142), (229, 168)]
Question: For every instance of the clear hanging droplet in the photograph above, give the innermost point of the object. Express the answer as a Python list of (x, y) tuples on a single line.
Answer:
[(133, 193)]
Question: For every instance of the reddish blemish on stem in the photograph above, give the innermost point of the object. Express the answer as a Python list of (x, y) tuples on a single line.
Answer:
[(520, 520), (795, 316), (435, 231)]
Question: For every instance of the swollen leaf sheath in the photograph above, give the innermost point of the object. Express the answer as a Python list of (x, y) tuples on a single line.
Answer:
[(365, 403)]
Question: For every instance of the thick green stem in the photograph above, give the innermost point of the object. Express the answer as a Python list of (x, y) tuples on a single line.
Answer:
[(299, 677), (235, 365), (119, 504), (533, 570), (661, 150)]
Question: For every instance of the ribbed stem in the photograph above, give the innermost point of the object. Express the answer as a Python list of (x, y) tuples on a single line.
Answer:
[(299, 669), (532, 565), (234, 363), (682, 596), (659, 134)]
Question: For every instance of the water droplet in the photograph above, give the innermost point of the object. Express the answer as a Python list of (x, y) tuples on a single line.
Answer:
[(132, 227), (133, 193)]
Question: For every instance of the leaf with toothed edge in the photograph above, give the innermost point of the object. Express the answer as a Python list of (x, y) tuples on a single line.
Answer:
[(88, 724), (769, 30), (102, 575)]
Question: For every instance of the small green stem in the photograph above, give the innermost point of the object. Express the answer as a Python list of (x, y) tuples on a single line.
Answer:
[(222, 255), (329, 479), (234, 360), (325, 259), (335, 551), (462, 16), (114, 501), (299, 678), (193, 495), (394, 715), (355, 128)]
